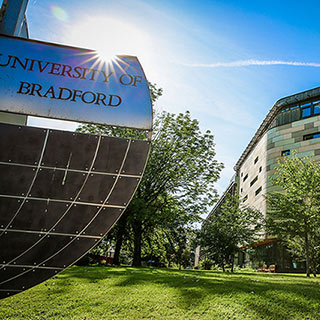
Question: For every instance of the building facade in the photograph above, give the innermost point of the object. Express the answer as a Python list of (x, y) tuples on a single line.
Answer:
[(292, 125)]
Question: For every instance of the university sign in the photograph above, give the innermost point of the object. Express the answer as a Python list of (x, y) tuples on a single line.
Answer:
[(56, 81)]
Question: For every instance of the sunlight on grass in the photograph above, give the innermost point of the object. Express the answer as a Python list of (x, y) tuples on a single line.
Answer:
[(145, 293)]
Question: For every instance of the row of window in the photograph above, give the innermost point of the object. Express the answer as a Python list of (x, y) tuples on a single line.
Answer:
[(245, 198), (297, 112), (306, 137)]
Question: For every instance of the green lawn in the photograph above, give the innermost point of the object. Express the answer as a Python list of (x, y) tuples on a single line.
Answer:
[(130, 293)]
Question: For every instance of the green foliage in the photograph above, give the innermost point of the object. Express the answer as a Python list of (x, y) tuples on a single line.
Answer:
[(227, 229), (293, 214), (176, 188)]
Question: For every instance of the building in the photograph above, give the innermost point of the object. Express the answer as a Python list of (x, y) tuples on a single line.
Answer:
[(293, 123)]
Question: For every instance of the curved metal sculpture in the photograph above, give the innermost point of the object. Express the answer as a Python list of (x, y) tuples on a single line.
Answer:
[(60, 193)]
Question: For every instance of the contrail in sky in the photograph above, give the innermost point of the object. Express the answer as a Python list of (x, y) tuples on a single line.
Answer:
[(245, 63)]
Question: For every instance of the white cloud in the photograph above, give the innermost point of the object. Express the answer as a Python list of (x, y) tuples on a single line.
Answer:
[(251, 62)]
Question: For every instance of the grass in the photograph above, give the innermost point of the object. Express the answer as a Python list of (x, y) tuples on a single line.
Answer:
[(97, 293)]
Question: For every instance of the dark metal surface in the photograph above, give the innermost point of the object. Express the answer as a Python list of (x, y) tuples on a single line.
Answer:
[(60, 193)]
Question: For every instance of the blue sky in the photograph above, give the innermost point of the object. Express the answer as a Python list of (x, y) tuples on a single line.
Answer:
[(218, 59)]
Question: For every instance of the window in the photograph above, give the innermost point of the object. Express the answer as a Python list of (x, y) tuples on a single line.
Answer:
[(245, 178), (260, 169), (245, 198), (306, 112), (285, 153), (311, 136), (241, 174), (258, 191), (253, 181), (241, 190), (256, 160), (316, 109)]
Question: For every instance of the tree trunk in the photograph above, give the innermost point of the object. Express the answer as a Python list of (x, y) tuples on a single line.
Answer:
[(232, 262), (116, 258), (307, 254), (122, 223), (137, 229)]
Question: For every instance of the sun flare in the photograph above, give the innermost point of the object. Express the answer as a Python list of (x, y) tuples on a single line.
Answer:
[(109, 37)]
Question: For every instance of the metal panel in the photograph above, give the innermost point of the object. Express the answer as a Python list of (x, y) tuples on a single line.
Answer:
[(19, 147), (133, 165), (56, 209), (96, 188), (104, 221), (110, 154), (123, 191), (37, 215), (69, 150), (22, 176), (57, 184)]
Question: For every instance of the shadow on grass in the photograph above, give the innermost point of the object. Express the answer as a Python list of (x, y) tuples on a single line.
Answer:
[(279, 296)]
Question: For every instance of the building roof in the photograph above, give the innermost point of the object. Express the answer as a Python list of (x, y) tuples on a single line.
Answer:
[(295, 98)]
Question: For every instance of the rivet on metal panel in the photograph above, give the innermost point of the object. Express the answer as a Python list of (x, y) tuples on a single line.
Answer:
[(2, 226), (22, 287), (67, 205), (14, 263), (29, 194), (34, 263), (53, 229), (10, 226), (70, 237), (91, 175), (36, 162), (23, 269), (75, 205), (124, 204), (113, 177), (33, 270), (27, 200), (71, 198), (6, 232), (9, 160), (22, 194), (3, 262), (84, 233), (33, 169)]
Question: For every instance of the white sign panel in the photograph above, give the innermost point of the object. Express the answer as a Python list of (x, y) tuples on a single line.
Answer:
[(55, 81)]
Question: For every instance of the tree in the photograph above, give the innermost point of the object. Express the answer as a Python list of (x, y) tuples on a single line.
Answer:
[(293, 213), (230, 227), (180, 173)]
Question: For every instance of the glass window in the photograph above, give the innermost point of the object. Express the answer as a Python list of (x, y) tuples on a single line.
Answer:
[(316, 109), (285, 153), (258, 190), (253, 181), (306, 112), (245, 178), (256, 160), (311, 136), (306, 105)]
